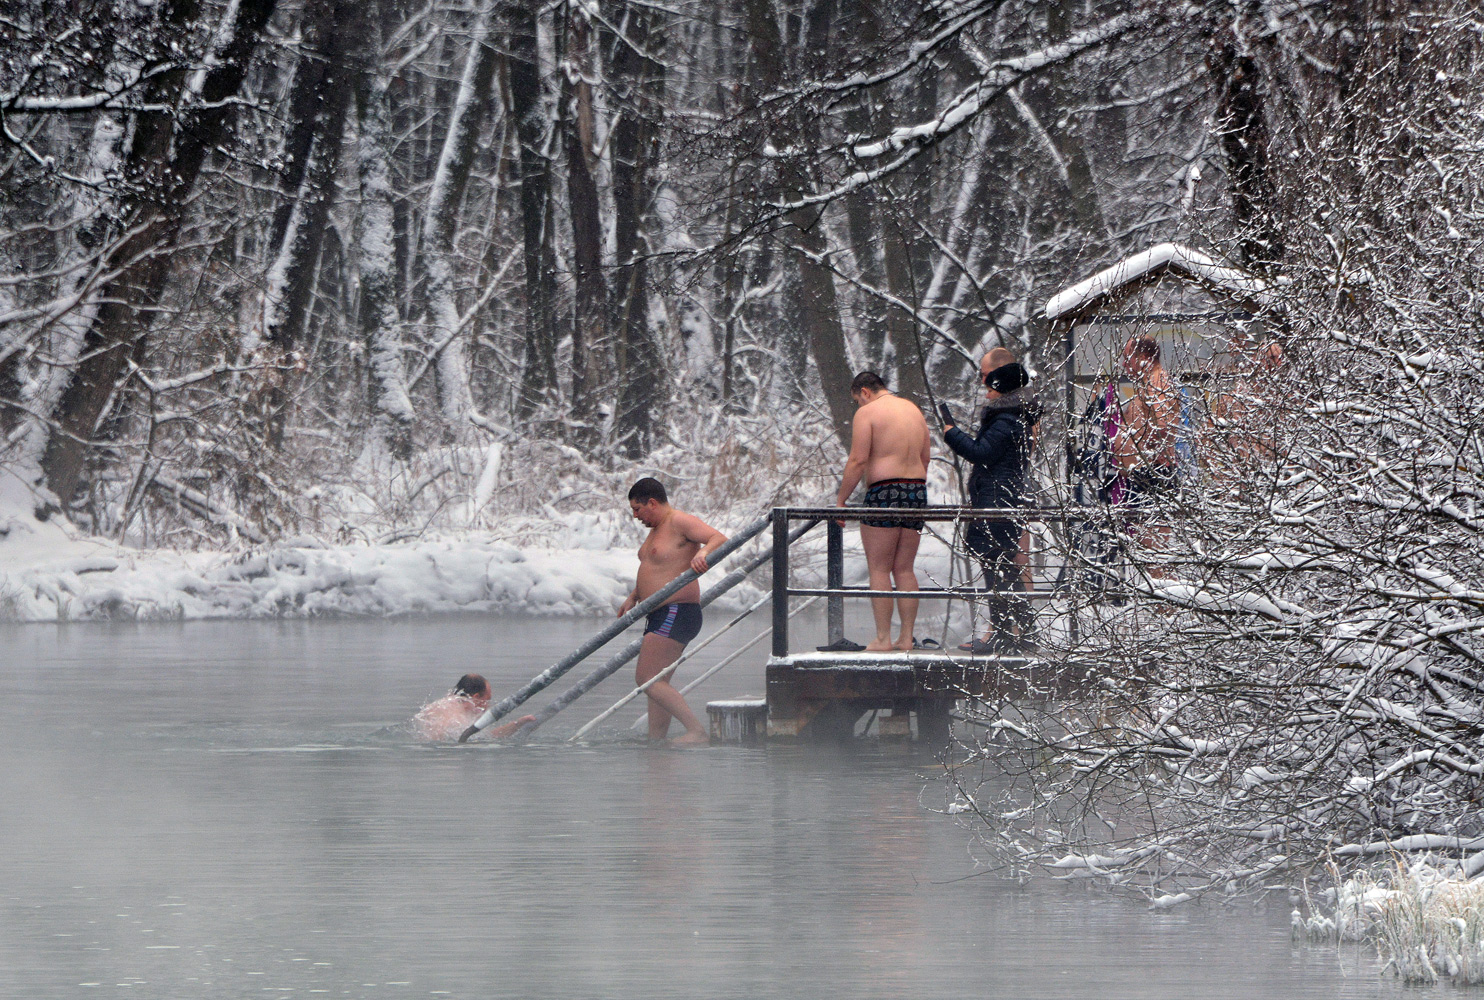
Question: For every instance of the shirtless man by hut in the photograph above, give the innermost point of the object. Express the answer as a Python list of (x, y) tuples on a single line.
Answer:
[(677, 541), (1247, 416), (889, 447), (1145, 444)]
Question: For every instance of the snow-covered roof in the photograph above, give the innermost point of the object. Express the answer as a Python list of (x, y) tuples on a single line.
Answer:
[(1165, 256)]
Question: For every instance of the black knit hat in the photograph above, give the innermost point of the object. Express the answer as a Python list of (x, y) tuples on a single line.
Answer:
[(1007, 378)]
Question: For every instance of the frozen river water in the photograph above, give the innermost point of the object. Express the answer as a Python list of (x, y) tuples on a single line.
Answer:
[(238, 809)]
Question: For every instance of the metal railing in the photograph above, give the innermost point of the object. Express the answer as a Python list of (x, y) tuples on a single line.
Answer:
[(836, 591)]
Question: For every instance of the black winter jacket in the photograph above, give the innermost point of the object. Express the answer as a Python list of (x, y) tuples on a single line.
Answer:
[(1000, 453)]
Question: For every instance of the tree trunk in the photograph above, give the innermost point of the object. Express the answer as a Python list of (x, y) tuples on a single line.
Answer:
[(376, 258), (322, 90), (94, 214), (1242, 128), (445, 197), (640, 81), (166, 156), (590, 305), (538, 377), (819, 309)]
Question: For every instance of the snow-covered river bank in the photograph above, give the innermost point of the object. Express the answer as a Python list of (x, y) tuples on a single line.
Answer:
[(581, 564)]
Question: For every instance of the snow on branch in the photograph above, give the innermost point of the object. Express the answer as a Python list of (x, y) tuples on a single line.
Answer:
[(999, 77), (909, 142)]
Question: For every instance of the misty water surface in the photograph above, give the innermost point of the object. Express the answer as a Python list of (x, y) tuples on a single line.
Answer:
[(237, 809)]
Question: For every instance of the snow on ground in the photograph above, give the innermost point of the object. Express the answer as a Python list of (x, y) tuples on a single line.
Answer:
[(49, 572), (584, 565)]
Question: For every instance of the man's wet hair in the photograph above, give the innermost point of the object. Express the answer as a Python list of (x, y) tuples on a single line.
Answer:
[(471, 686), (1144, 347), (648, 489), (867, 380)]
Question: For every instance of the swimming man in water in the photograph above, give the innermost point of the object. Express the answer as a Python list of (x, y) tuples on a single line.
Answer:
[(456, 711), (677, 541)]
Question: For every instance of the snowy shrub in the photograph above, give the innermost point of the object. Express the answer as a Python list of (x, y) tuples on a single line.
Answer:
[(1427, 922)]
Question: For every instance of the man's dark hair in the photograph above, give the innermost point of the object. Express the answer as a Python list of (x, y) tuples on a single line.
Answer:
[(867, 380), (471, 686), (1145, 347), (648, 489)]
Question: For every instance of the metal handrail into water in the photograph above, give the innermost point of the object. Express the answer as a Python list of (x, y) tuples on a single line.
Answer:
[(618, 627)]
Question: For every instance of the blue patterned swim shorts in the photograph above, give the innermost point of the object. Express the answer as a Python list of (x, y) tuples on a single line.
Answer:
[(910, 494)]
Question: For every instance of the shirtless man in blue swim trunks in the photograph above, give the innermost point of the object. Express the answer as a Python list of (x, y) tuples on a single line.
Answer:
[(889, 446), (677, 541)]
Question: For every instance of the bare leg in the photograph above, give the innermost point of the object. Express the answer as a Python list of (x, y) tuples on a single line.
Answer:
[(1023, 559), (881, 553), (904, 575), (665, 702)]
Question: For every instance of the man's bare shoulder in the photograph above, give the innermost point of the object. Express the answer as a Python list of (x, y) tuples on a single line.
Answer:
[(907, 412), (691, 526)]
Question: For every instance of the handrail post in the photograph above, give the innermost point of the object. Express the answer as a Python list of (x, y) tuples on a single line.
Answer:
[(834, 575), (780, 581)]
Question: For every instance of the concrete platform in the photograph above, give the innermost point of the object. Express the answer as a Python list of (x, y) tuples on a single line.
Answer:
[(738, 720)]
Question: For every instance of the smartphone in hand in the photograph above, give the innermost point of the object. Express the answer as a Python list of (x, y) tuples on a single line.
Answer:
[(946, 415)]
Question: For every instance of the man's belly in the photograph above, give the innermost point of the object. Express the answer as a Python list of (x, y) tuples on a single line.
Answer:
[(652, 578)]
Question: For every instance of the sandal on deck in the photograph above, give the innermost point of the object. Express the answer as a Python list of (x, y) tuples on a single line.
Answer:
[(928, 643)]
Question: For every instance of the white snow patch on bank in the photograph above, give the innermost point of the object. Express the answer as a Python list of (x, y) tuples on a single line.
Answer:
[(49, 572), (466, 575), (575, 564)]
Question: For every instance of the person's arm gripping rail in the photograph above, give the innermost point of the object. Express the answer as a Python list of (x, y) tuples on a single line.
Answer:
[(696, 530), (860, 454)]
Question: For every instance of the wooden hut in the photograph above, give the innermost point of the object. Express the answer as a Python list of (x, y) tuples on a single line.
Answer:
[(1207, 318)]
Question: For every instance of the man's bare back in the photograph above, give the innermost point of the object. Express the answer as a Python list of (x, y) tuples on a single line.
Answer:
[(1151, 419), (894, 436), (889, 447)]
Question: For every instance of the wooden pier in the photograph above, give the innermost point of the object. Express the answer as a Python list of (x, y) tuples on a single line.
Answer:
[(825, 693)]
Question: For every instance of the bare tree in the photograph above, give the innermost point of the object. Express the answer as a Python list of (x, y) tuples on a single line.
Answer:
[(445, 199), (1294, 675), (634, 49), (534, 132), (167, 150), (590, 292)]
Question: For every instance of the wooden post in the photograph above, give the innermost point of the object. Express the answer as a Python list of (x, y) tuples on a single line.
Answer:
[(780, 581), (934, 725)]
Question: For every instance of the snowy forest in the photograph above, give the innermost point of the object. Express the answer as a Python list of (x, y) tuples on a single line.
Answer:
[(272, 267), (361, 268)]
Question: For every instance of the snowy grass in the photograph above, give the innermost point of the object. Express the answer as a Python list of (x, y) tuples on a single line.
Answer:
[(1426, 919)]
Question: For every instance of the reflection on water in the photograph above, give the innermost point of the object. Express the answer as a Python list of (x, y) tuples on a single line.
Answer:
[(218, 810)]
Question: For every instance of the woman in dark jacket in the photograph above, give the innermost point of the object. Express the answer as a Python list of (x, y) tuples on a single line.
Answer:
[(1000, 454)]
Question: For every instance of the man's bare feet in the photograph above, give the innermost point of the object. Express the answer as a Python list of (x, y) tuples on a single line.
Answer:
[(880, 646), (689, 739), (903, 645)]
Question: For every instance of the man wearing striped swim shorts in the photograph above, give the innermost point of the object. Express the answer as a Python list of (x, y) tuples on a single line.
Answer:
[(677, 541)]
